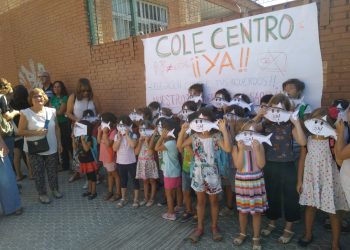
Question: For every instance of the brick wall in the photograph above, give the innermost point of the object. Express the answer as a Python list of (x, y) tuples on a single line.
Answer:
[(57, 35)]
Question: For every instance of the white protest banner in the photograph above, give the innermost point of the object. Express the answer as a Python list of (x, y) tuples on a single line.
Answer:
[(253, 55)]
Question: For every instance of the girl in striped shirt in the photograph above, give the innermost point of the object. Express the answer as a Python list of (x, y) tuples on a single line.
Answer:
[(249, 185)]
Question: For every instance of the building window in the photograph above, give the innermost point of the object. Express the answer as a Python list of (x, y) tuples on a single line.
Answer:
[(148, 18)]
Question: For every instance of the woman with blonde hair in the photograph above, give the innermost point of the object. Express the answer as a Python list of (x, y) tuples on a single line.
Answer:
[(42, 140)]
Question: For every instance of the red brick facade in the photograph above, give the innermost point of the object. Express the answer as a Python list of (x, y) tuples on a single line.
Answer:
[(57, 35)]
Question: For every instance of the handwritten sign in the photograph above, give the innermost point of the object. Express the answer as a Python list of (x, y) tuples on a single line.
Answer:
[(252, 55)]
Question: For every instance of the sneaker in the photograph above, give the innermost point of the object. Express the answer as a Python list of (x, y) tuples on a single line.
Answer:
[(162, 203), (150, 203), (57, 194), (179, 210), (225, 211), (168, 216), (122, 203), (92, 196), (44, 199), (86, 185), (142, 203)]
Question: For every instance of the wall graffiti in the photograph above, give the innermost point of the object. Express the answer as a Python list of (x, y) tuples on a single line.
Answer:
[(29, 76)]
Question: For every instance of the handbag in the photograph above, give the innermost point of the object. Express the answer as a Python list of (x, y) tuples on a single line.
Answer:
[(41, 145)]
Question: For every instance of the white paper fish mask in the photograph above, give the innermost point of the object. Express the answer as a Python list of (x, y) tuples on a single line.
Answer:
[(145, 132), (278, 114), (105, 125), (219, 102), (248, 136), (231, 116), (162, 115), (79, 129), (200, 125), (155, 112), (122, 128), (135, 117), (320, 127), (195, 98), (239, 102), (183, 114)]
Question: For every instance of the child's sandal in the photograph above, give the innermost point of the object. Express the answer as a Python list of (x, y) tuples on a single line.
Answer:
[(267, 231), (217, 236), (144, 202), (256, 244), (240, 239), (150, 203), (122, 203), (108, 196), (115, 197), (196, 235), (136, 204), (286, 239)]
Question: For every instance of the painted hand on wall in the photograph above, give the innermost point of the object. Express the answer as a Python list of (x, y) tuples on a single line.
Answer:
[(29, 77)]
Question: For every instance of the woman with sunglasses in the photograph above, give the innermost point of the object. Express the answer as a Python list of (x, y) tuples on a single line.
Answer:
[(82, 99), (36, 123)]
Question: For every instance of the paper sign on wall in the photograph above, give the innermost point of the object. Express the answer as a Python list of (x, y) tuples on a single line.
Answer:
[(253, 55)]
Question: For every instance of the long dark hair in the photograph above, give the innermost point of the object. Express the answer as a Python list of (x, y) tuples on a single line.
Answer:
[(83, 83), (20, 97), (64, 91)]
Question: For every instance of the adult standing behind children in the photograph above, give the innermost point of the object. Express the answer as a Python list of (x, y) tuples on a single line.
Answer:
[(45, 80), (82, 99), (59, 102)]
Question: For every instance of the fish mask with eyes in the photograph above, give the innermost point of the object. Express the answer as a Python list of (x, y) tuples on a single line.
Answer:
[(195, 98), (122, 128), (231, 116), (320, 127), (135, 117), (219, 102), (155, 112), (279, 114), (184, 113), (248, 136), (201, 125), (162, 115), (145, 132), (239, 102)]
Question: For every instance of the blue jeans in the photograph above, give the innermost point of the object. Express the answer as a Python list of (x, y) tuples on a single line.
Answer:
[(10, 143)]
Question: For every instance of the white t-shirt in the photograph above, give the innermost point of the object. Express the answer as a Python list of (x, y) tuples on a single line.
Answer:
[(125, 153), (35, 122), (81, 106)]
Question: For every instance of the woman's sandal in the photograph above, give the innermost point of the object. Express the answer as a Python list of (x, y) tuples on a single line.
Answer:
[(267, 231), (286, 239), (304, 243), (196, 235), (256, 244), (115, 197), (240, 239), (217, 236)]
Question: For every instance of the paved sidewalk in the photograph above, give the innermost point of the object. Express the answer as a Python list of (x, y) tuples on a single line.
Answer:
[(76, 223)]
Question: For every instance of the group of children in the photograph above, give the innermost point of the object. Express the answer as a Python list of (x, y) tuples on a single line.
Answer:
[(219, 147)]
